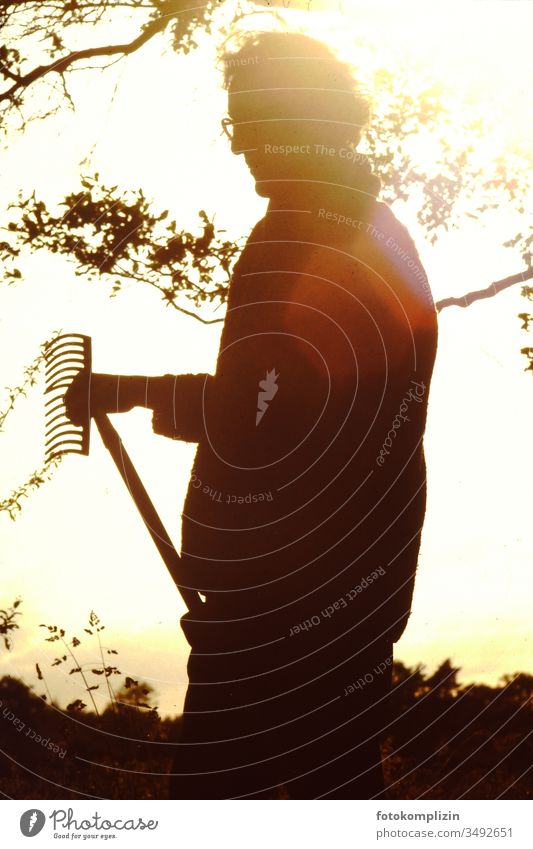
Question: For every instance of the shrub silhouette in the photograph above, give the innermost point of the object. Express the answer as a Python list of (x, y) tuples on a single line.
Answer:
[(447, 741)]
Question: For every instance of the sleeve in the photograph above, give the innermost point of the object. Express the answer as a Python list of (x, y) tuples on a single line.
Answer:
[(178, 403)]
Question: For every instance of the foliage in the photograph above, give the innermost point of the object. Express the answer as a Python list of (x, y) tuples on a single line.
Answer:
[(463, 178), (524, 241), (45, 43), (458, 741), (135, 694), (30, 379), (461, 181), (107, 668), (118, 237), (8, 623), (13, 503), (446, 741)]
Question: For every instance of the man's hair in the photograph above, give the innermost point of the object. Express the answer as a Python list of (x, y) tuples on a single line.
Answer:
[(289, 62)]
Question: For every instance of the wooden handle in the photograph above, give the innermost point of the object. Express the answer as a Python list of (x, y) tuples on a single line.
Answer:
[(143, 502)]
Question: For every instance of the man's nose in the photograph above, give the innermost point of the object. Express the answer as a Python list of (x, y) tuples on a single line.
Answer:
[(243, 139), (235, 146), (237, 141)]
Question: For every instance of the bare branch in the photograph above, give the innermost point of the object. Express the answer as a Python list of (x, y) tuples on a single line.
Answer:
[(50, 23), (169, 11), (489, 292)]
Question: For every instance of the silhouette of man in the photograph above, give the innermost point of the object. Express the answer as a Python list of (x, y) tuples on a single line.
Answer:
[(303, 516)]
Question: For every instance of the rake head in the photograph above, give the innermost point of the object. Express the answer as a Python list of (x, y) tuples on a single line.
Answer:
[(65, 357)]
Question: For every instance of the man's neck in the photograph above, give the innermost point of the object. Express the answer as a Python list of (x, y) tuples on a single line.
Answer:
[(318, 206)]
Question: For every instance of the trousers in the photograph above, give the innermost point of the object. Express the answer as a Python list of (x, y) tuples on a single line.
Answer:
[(285, 718)]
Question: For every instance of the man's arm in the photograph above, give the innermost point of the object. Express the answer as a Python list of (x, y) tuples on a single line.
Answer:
[(177, 400)]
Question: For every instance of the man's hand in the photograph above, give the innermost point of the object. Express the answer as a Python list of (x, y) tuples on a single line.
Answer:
[(91, 394)]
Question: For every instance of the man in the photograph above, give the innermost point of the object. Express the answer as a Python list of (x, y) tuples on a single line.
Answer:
[(302, 521)]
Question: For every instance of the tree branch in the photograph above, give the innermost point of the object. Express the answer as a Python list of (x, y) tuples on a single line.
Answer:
[(489, 292), (168, 10)]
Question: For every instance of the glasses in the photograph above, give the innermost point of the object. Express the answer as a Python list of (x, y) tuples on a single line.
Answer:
[(227, 127)]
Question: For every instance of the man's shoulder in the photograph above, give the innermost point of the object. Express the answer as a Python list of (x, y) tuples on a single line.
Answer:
[(387, 225), (400, 253)]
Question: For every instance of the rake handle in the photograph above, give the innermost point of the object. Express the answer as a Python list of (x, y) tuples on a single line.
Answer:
[(143, 502)]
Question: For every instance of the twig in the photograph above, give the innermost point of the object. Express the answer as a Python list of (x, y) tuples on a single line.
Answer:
[(168, 11), (489, 292), (80, 670)]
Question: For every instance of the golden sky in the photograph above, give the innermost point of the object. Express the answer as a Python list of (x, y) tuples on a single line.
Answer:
[(79, 543)]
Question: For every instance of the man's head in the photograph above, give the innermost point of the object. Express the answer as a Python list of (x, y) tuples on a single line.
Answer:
[(294, 111)]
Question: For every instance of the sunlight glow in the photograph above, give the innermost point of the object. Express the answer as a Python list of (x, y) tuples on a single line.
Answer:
[(130, 127)]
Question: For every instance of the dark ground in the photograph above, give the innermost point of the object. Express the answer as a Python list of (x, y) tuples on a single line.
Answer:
[(446, 742)]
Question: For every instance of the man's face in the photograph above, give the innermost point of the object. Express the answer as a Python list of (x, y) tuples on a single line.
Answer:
[(278, 146)]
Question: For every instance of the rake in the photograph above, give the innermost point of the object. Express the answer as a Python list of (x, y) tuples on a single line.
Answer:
[(66, 356)]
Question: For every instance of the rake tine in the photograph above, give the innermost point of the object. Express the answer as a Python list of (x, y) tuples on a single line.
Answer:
[(74, 343), (61, 415), (60, 403), (61, 371), (69, 432), (59, 339), (65, 356), (65, 423), (60, 450), (57, 400), (51, 353), (60, 384), (51, 454)]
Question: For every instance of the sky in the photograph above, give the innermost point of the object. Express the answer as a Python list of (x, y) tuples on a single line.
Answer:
[(79, 544)]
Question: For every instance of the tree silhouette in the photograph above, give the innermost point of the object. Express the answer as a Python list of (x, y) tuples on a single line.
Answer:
[(117, 236), (43, 43), (137, 694), (447, 741), (443, 683), (519, 687)]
